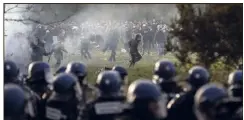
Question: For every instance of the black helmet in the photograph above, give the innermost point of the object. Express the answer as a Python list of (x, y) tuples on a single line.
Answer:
[(164, 70), (143, 89), (143, 92), (236, 78), (14, 101), (11, 71), (235, 84), (64, 83), (78, 69), (109, 82), (122, 72), (206, 99), (198, 76), (39, 72)]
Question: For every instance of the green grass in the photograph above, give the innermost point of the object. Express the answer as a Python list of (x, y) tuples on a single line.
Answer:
[(143, 69)]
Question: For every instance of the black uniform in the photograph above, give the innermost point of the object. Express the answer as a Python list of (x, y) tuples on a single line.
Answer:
[(59, 106), (37, 80), (183, 105), (146, 101), (164, 76), (235, 84), (63, 104), (104, 108), (79, 69), (212, 103), (11, 73), (109, 104), (14, 102), (134, 53)]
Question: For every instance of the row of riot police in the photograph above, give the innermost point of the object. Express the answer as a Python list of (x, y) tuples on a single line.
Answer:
[(69, 96)]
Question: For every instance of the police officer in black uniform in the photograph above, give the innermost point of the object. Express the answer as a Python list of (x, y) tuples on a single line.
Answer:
[(164, 76), (146, 101), (38, 80), (212, 103), (14, 102), (134, 53), (181, 107), (39, 75), (109, 104), (11, 72), (79, 69), (235, 84), (63, 103), (11, 77)]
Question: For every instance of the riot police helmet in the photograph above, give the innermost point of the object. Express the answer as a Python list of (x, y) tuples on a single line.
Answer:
[(235, 84), (207, 99), (79, 69), (11, 71), (198, 76), (164, 70), (39, 72), (235, 78), (109, 83), (146, 99), (14, 101), (65, 83)]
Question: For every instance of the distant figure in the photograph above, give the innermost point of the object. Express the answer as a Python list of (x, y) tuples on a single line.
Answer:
[(133, 47), (159, 39), (38, 49), (58, 49), (112, 44), (147, 41), (85, 45)]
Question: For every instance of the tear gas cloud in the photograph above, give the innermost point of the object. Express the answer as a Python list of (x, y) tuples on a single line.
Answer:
[(103, 18), (87, 17)]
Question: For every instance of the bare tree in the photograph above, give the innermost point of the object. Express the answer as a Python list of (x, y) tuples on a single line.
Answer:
[(45, 14)]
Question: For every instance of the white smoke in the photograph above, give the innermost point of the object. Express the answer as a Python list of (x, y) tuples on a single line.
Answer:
[(102, 18), (111, 15)]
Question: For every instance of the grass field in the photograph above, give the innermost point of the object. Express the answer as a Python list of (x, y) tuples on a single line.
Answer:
[(143, 69)]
